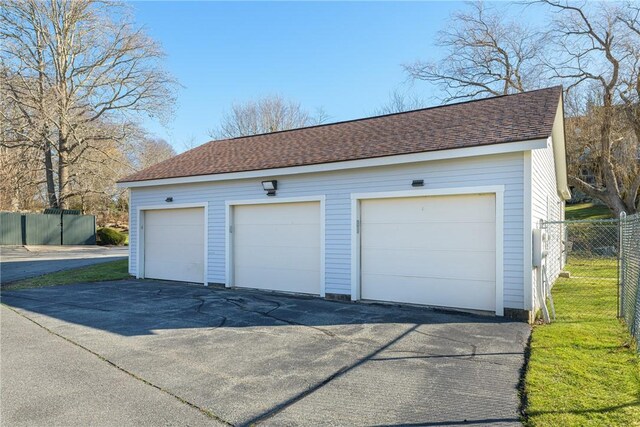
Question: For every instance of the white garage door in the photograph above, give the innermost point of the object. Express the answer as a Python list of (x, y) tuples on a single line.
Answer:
[(277, 247), (438, 250), (174, 244)]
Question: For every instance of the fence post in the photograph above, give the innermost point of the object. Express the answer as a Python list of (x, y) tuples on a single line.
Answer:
[(621, 260), (23, 229)]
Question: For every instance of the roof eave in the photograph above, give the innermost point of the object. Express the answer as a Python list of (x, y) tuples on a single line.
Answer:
[(483, 150)]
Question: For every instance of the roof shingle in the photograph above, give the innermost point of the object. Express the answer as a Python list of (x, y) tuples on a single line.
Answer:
[(502, 119)]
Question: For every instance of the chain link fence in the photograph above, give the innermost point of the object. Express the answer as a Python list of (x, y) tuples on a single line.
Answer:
[(630, 273), (594, 269)]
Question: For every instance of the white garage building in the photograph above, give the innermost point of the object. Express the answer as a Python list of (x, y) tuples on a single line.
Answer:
[(432, 207)]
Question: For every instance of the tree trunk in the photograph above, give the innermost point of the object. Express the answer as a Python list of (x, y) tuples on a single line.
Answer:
[(46, 144), (631, 200), (616, 205), (611, 195), (610, 198), (48, 170), (63, 170)]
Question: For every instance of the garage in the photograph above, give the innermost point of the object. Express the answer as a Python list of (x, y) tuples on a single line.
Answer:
[(278, 246), (433, 250), (174, 244), (432, 207)]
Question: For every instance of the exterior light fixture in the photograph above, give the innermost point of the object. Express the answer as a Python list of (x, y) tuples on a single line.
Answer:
[(417, 183), (169, 199), (270, 187)]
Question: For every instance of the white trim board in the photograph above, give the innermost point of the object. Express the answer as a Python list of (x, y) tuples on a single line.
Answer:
[(497, 190), (527, 242), (455, 153), (228, 245), (131, 213), (140, 234), (557, 142)]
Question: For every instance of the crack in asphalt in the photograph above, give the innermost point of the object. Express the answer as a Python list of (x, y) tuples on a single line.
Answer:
[(473, 346), (291, 322), (423, 355), (199, 307), (202, 300), (269, 315), (473, 357)]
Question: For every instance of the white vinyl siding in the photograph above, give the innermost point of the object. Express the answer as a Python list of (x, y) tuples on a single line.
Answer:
[(337, 186), (546, 204)]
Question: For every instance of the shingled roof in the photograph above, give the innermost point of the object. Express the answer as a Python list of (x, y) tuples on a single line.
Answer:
[(510, 118)]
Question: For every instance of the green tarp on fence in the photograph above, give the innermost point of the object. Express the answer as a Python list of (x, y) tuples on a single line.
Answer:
[(79, 229), (45, 229), (11, 228)]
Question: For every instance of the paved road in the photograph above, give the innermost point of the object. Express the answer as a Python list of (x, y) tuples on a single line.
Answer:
[(23, 262), (251, 357)]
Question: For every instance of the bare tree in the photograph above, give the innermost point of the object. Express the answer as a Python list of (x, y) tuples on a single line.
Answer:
[(400, 101), (21, 165), (597, 55), (149, 151), (92, 180), (593, 49), (76, 70), (270, 114), (487, 55), (20, 187), (24, 128), (321, 116)]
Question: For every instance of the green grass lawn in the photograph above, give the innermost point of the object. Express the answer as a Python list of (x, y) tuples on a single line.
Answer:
[(587, 211), (113, 270), (583, 369)]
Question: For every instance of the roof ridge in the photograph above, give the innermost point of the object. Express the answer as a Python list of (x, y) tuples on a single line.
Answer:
[(433, 107)]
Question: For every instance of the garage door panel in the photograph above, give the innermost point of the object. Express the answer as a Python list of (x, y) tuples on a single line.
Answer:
[(186, 254), (179, 235), (266, 257), (275, 214), (426, 263), (300, 235), (163, 217), (279, 279), (174, 244), (432, 208), (444, 236), (429, 250), (277, 246), (474, 295), (179, 270)]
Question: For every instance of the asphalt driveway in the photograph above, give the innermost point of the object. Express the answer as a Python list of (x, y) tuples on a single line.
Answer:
[(191, 355), (23, 262)]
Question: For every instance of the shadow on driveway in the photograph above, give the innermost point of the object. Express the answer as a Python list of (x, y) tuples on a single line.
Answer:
[(140, 307)]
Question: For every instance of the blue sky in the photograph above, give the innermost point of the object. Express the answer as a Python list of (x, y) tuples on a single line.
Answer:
[(343, 57)]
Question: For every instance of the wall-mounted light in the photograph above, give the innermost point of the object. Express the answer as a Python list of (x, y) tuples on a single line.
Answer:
[(270, 187), (417, 183), (169, 199)]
